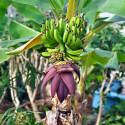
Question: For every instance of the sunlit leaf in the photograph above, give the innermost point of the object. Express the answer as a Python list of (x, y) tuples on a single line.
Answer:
[(45, 4), (99, 25), (105, 58), (8, 43), (33, 42), (18, 30), (30, 12), (97, 56), (112, 6), (113, 62)]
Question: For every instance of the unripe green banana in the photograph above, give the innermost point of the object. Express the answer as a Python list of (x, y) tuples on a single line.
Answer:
[(72, 42), (48, 34), (73, 19), (61, 26), (43, 28), (52, 22), (76, 52), (50, 45), (52, 50), (69, 38), (67, 24), (49, 37), (47, 23), (57, 36), (47, 43), (82, 21), (78, 21), (46, 54), (81, 29), (77, 31), (78, 40), (77, 58), (44, 38), (74, 28), (65, 35), (52, 30), (76, 45)]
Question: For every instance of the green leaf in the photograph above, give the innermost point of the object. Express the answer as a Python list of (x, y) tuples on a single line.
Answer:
[(90, 17), (103, 53), (45, 4), (3, 56), (98, 26), (45, 108), (72, 8), (112, 6), (30, 12), (57, 4), (3, 7), (9, 43), (18, 30), (114, 19), (113, 62), (121, 56), (98, 56), (123, 119), (80, 5), (91, 10), (105, 58), (33, 42), (118, 117), (3, 24)]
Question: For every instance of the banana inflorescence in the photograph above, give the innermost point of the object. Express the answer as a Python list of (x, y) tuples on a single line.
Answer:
[(66, 33)]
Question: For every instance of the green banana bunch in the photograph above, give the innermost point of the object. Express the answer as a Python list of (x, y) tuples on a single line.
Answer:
[(64, 32)]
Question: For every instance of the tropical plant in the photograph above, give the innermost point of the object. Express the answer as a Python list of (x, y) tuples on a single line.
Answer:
[(69, 34), (110, 39), (20, 117), (115, 115)]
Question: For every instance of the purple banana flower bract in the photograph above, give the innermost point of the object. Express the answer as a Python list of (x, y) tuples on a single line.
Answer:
[(62, 80)]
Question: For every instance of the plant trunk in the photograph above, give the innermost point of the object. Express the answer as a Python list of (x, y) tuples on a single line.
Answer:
[(62, 113)]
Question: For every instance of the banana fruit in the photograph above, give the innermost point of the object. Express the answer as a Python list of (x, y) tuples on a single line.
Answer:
[(46, 54), (68, 33)]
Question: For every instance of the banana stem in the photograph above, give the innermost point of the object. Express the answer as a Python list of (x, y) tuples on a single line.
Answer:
[(62, 47), (81, 85)]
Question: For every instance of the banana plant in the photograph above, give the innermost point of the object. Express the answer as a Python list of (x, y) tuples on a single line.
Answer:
[(66, 38)]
